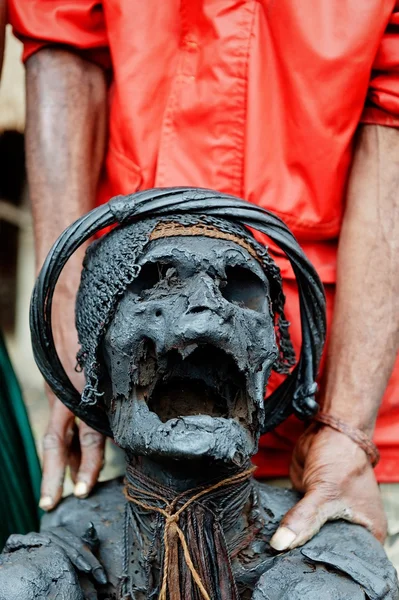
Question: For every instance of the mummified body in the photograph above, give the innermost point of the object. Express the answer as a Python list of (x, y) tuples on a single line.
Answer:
[(177, 319)]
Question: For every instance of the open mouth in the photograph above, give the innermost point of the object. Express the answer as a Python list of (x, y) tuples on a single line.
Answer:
[(198, 380)]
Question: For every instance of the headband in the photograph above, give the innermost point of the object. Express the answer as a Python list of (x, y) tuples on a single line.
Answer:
[(165, 230)]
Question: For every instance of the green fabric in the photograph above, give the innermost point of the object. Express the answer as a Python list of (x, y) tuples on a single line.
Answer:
[(19, 465)]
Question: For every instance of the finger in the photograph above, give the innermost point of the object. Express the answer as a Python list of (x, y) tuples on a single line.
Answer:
[(55, 452), (305, 519), (92, 448), (79, 554), (18, 541)]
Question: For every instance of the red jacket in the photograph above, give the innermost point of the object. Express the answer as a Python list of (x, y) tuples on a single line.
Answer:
[(258, 98)]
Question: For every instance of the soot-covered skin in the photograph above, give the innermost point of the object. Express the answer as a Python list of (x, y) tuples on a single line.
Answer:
[(190, 347), (342, 562)]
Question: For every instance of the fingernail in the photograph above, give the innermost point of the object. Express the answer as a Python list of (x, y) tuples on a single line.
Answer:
[(46, 502), (81, 489), (100, 576), (282, 539)]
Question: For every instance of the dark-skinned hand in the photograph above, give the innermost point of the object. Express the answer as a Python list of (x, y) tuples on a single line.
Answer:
[(337, 481), (68, 442)]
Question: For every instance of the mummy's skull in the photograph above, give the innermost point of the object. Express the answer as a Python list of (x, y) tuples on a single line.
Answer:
[(188, 349)]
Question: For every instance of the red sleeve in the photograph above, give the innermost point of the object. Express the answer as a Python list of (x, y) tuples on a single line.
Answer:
[(382, 104), (78, 24)]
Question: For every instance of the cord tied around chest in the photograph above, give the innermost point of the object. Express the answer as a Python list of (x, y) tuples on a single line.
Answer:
[(175, 538)]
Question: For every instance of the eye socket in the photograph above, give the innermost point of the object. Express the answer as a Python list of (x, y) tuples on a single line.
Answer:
[(150, 274), (244, 288)]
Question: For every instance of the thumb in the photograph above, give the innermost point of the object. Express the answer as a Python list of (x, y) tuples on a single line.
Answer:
[(303, 521)]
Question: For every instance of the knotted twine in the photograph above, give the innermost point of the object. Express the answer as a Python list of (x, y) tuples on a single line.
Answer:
[(172, 511)]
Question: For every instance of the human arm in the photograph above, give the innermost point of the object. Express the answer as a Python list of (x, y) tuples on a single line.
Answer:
[(65, 144), (333, 472)]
